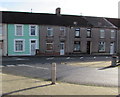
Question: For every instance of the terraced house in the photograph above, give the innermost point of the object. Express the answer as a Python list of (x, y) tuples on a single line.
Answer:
[(116, 22), (57, 34), (22, 38)]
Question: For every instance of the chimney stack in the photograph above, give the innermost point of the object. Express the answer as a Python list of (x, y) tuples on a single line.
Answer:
[(58, 10)]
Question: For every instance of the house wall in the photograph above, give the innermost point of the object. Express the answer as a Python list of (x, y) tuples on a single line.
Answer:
[(3, 39), (26, 37), (96, 39), (69, 40), (119, 41), (56, 38)]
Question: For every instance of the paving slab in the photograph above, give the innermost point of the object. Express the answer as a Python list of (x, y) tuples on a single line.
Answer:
[(18, 85)]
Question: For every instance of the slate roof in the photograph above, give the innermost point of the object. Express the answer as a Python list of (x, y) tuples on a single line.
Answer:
[(99, 22), (115, 21), (43, 19), (11, 17)]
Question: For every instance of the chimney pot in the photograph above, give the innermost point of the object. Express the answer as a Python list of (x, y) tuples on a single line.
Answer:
[(58, 11)]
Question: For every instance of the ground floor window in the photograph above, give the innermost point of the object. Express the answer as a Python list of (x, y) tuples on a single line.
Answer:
[(49, 46), (101, 46), (19, 45), (77, 46)]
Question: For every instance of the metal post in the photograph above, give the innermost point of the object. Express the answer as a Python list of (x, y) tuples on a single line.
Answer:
[(53, 73), (114, 59)]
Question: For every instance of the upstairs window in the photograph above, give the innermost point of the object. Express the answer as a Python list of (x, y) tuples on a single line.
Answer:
[(112, 33), (62, 31), (77, 33), (88, 33), (19, 30), (33, 30), (49, 31), (102, 33)]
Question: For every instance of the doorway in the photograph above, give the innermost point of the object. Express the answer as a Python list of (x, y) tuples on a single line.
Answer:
[(88, 47), (33, 47), (112, 48), (62, 48)]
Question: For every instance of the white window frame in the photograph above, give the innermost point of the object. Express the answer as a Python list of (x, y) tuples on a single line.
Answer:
[(16, 29), (112, 33), (51, 29), (63, 29), (102, 43), (36, 30), (102, 33), (23, 44)]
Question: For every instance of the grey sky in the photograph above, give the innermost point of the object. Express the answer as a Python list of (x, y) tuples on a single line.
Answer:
[(101, 8)]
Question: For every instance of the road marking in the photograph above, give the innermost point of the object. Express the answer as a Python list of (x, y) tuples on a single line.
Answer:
[(22, 65), (50, 58), (81, 57), (68, 58), (10, 65), (21, 59), (33, 66), (1, 66)]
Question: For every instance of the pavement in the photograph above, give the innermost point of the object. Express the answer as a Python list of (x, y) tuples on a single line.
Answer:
[(19, 85)]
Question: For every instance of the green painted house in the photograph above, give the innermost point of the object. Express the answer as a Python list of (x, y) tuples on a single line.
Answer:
[(23, 39)]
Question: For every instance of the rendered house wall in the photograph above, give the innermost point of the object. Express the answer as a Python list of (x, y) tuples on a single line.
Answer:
[(26, 37)]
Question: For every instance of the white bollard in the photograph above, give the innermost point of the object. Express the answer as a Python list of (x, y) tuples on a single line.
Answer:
[(53, 73)]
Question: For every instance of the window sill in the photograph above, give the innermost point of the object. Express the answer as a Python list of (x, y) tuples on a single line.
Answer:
[(77, 37), (76, 51), (19, 35), (18, 51), (101, 51)]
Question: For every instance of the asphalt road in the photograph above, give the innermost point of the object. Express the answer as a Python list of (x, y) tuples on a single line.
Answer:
[(40, 67)]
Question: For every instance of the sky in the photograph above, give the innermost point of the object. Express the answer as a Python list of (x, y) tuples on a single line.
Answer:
[(99, 8)]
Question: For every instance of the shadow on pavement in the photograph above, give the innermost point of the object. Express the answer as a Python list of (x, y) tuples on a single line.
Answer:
[(108, 67), (5, 94)]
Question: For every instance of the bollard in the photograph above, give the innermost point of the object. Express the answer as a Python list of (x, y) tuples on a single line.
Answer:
[(114, 59), (53, 73)]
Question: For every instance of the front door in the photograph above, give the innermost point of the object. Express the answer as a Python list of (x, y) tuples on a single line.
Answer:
[(88, 47), (112, 48), (62, 47), (33, 47)]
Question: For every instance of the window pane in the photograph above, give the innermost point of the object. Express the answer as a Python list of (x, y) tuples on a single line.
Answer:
[(62, 31), (49, 45), (33, 30), (112, 34), (49, 32), (88, 32), (102, 46), (19, 45), (19, 30), (76, 46), (102, 34), (77, 33)]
